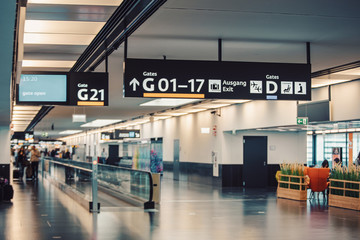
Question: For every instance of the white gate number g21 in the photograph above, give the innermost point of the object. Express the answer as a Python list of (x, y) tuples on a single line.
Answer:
[(83, 94)]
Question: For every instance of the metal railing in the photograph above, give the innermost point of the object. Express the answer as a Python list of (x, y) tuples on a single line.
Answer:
[(84, 178)]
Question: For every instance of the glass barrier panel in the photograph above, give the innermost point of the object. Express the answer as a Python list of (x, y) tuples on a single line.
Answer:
[(77, 178), (77, 174)]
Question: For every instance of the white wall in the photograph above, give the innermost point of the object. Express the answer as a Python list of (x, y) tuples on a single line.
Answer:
[(259, 114), (197, 147), (320, 94), (345, 99), (242, 119), (282, 147)]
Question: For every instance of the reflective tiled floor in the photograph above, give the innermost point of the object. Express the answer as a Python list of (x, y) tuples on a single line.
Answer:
[(187, 211)]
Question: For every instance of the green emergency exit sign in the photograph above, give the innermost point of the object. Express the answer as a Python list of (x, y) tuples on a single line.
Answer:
[(302, 121)]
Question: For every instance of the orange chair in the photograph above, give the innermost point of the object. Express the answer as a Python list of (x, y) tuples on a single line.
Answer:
[(318, 179)]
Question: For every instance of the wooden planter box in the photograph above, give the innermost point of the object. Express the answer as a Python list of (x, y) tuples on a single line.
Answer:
[(344, 194), (292, 187)]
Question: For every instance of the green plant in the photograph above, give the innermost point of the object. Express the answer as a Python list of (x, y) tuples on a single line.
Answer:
[(290, 169), (351, 173)]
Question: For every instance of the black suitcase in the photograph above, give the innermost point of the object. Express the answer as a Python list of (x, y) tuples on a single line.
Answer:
[(16, 173), (8, 192)]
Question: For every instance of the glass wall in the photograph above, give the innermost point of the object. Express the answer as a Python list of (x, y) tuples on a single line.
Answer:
[(309, 152), (143, 155), (332, 141), (328, 145), (356, 145), (319, 149)]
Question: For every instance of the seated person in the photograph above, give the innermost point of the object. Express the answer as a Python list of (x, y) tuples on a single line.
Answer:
[(337, 161), (325, 164)]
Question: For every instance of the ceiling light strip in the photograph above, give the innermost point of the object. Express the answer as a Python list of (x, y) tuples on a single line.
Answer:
[(78, 2)]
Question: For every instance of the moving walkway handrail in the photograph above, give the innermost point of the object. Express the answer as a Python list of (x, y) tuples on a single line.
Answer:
[(69, 165), (69, 161), (136, 170)]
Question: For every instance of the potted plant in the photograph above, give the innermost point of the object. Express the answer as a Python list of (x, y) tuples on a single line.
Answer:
[(345, 187), (291, 182)]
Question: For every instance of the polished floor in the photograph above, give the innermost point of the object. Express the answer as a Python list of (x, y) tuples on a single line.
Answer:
[(188, 211)]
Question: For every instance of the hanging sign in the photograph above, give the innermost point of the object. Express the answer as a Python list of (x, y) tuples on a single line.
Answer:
[(59, 88), (106, 136), (42, 89), (120, 134), (88, 89), (217, 80)]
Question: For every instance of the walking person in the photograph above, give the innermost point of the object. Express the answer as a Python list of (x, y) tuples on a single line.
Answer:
[(34, 159), (22, 162)]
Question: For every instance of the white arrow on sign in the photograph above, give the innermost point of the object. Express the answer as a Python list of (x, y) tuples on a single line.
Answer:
[(134, 82)]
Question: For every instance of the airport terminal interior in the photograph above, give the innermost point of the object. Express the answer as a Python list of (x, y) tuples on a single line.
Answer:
[(179, 119)]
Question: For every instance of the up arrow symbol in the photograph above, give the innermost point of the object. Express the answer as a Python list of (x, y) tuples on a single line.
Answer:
[(134, 82)]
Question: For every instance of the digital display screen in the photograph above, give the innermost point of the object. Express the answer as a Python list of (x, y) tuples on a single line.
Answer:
[(43, 88)]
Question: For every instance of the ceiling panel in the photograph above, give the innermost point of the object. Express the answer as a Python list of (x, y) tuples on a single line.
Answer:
[(53, 50)]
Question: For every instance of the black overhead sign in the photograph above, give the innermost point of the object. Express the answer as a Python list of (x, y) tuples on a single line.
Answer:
[(59, 88), (217, 80), (106, 136), (120, 134), (88, 89)]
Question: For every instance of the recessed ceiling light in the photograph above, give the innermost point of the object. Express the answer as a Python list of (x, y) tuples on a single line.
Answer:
[(68, 132), (211, 105), (100, 122), (26, 108), (57, 39), (47, 63), (78, 2), (195, 110), (161, 117), (168, 102), (63, 27)]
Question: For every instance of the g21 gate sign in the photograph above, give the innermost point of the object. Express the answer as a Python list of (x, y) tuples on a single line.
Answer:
[(217, 80), (59, 88)]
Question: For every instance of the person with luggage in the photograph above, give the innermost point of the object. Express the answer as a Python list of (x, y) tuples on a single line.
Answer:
[(34, 159)]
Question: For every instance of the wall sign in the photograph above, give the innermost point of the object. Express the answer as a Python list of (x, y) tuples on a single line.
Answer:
[(217, 80), (88, 89), (120, 134)]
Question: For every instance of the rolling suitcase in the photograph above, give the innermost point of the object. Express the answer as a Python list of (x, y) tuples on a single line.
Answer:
[(29, 172), (16, 173), (8, 192)]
